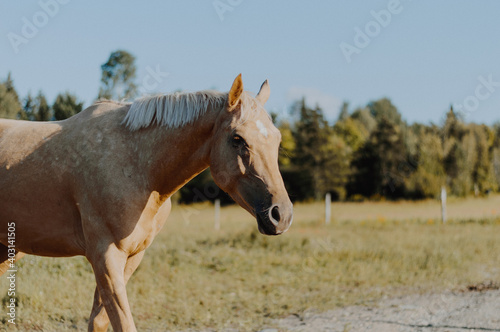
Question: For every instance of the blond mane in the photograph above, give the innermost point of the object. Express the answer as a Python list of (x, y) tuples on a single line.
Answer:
[(172, 110)]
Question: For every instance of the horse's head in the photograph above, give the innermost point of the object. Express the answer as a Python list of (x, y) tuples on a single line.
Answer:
[(244, 159)]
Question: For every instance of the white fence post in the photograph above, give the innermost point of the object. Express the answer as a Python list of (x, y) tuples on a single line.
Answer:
[(443, 204), (217, 214), (328, 208)]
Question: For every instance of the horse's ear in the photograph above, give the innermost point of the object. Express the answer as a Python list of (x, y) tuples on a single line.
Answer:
[(264, 93), (235, 92)]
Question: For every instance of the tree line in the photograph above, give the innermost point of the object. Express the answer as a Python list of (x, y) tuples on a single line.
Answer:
[(371, 153), (367, 153), (35, 108)]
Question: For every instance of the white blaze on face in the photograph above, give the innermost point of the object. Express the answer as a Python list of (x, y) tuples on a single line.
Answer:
[(262, 128)]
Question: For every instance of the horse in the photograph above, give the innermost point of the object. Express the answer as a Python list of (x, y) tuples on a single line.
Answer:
[(99, 183)]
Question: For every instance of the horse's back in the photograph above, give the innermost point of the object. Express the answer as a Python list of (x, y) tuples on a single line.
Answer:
[(42, 165), (18, 139), (50, 140), (6, 124)]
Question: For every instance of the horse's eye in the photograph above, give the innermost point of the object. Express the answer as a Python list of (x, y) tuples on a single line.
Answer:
[(238, 141)]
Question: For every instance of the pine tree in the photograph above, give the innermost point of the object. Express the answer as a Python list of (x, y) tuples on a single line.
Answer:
[(10, 107), (377, 165), (9, 83), (66, 105), (319, 156), (42, 110), (28, 111), (455, 161)]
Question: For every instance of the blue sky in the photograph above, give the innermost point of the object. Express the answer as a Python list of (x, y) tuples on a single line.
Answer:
[(428, 55)]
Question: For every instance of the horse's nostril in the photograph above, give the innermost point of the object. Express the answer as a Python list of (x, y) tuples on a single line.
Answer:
[(275, 213)]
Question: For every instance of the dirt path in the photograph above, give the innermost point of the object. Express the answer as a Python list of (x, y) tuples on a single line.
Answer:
[(472, 311)]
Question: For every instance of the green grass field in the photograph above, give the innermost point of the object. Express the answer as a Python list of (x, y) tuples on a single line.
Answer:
[(194, 277)]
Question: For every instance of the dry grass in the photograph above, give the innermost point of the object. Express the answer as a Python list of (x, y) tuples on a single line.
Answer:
[(194, 277)]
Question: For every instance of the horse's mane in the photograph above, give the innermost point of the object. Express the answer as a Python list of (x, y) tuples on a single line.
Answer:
[(172, 110)]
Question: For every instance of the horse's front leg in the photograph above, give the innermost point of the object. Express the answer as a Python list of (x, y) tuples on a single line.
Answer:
[(99, 320), (109, 270)]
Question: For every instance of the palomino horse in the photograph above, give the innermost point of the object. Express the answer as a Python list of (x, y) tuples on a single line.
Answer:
[(99, 183)]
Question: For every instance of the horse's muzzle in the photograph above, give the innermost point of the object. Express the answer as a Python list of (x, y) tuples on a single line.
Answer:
[(276, 220)]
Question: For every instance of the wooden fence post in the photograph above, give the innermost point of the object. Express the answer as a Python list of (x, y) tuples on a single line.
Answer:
[(328, 208), (443, 204)]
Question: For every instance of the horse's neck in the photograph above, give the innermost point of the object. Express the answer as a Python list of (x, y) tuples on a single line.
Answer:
[(177, 155)]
